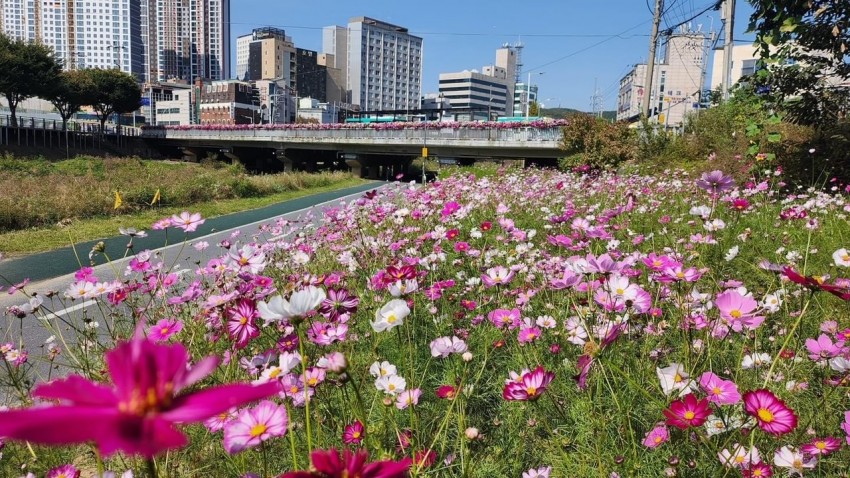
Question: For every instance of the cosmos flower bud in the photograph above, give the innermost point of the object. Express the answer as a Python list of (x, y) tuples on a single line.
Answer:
[(471, 433)]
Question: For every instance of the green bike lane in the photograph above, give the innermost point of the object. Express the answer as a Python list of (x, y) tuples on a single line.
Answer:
[(59, 262)]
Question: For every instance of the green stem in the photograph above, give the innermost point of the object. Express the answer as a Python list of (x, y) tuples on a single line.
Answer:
[(306, 390), (151, 466), (291, 439)]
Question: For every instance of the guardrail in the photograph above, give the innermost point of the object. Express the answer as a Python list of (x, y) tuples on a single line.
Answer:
[(544, 135), (25, 122)]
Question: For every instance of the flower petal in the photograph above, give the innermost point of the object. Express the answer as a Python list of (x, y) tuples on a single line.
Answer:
[(203, 404), (78, 390)]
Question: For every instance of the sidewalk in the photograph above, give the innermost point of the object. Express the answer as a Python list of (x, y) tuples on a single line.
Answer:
[(46, 265)]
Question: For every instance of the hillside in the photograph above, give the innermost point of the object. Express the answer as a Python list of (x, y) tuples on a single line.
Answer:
[(567, 112)]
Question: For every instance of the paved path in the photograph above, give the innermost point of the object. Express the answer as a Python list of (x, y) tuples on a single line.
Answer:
[(46, 265)]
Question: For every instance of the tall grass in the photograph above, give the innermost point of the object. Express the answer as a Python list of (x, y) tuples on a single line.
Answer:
[(38, 192)]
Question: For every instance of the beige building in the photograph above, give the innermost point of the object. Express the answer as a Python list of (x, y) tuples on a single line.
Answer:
[(744, 60), (266, 54), (676, 86)]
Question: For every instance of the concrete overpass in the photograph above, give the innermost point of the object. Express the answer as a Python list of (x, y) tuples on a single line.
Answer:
[(369, 151)]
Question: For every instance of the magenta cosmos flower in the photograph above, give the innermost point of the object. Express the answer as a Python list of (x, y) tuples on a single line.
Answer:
[(354, 433), (757, 470), (138, 412), (821, 446), (329, 464), (772, 414), (164, 329), (688, 412), (529, 386), (64, 471), (655, 437), (255, 425)]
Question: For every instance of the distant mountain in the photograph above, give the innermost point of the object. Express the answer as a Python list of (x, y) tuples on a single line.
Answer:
[(567, 112)]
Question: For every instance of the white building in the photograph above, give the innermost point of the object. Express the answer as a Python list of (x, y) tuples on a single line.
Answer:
[(484, 95), (312, 110), (676, 83), (177, 110), (523, 97), (383, 64), (744, 61), (92, 34)]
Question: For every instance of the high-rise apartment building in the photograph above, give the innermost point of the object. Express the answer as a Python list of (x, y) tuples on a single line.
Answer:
[(186, 39), (676, 83), (154, 40), (82, 33), (383, 65), (311, 76)]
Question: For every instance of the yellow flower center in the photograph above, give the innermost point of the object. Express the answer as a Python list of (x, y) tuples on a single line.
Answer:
[(312, 381), (355, 435), (163, 331), (620, 291), (677, 378), (275, 372), (258, 430), (765, 415), (391, 319), (845, 257), (798, 463), (739, 459), (689, 415), (736, 314), (716, 390), (820, 445), (657, 440), (531, 391), (243, 320), (293, 389), (391, 387), (757, 472), (680, 275)]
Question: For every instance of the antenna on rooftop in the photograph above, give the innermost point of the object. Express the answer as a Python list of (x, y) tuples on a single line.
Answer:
[(518, 46)]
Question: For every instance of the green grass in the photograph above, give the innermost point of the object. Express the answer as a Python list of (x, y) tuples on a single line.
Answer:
[(42, 239)]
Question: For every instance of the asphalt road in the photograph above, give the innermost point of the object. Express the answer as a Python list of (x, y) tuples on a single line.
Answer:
[(54, 271)]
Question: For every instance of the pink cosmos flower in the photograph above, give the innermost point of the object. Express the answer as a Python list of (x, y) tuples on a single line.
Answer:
[(329, 464), (846, 425), (738, 310), (64, 471), (715, 182), (255, 425), (821, 446), (719, 391), (164, 329), (656, 436), (444, 346), (217, 422), (529, 386), (187, 221), (118, 417), (241, 323), (353, 434), (529, 334), (504, 317), (542, 472), (408, 398), (688, 412), (822, 348), (497, 276), (772, 414)]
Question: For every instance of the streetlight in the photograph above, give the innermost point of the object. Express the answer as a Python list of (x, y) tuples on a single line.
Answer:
[(528, 93)]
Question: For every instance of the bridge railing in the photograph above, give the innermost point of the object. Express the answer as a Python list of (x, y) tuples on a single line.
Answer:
[(52, 124), (406, 135)]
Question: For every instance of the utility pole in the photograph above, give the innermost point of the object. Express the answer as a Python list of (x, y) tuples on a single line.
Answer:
[(729, 26), (596, 100), (650, 64)]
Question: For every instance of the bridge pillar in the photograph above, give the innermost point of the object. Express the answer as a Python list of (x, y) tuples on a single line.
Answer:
[(355, 166), (193, 155)]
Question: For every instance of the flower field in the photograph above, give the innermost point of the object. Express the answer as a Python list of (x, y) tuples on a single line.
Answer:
[(525, 324)]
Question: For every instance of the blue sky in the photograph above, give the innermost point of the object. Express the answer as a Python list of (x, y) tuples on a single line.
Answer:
[(574, 43)]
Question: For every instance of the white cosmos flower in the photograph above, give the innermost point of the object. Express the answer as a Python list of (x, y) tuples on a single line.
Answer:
[(788, 457), (731, 253), (391, 384), (739, 456), (390, 315), (400, 288), (755, 360), (674, 377), (299, 304), (382, 369), (839, 364), (841, 257)]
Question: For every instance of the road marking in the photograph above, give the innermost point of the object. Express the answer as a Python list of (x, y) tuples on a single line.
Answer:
[(60, 313)]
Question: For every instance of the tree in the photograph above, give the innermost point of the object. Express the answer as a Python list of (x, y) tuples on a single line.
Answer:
[(804, 46), (533, 109), (28, 70), (115, 92), (72, 90)]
